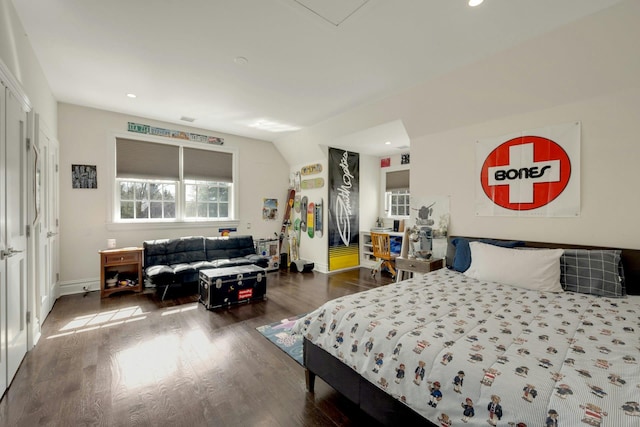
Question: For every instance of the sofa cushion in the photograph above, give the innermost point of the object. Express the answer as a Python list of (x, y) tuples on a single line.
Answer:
[(201, 265), (233, 262), (155, 252), (185, 250), (158, 270), (229, 247), (218, 263)]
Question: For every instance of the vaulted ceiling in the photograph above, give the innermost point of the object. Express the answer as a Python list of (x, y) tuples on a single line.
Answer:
[(267, 68)]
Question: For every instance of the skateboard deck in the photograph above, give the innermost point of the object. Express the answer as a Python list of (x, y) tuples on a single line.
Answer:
[(308, 184), (287, 216), (296, 203), (311, 169), (296, 181), (303, 210), (296, 233), (318, 218), (310, 221)]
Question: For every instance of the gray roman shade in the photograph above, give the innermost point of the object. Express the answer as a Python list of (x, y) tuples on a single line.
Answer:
[(206, 165), (147, 160), (398, 180)]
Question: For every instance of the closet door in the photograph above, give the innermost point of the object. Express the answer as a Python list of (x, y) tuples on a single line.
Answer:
[(3, 244), (15, 253), (46, 228)]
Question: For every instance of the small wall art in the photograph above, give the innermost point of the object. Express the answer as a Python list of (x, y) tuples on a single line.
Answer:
[(84, 176), (270, 209)]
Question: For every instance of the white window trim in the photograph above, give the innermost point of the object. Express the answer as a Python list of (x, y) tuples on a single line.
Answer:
[(112, 214), (383, 190)]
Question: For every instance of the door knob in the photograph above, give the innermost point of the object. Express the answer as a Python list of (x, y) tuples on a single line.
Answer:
[(51, 234), (9, 252)]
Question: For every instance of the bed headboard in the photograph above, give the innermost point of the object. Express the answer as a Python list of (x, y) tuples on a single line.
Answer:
[(630, 259)]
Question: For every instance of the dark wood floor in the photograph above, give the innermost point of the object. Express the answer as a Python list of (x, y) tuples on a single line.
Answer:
[(133, 360)]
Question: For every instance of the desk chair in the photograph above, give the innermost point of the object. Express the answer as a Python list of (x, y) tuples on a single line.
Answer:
[(382, 251)]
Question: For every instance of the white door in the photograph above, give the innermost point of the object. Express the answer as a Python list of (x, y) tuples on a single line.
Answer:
[(46, 229), (15, 252), (52, 210), (3, 246)]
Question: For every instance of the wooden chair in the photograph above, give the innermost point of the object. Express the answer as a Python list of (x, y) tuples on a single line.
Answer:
[(382, 251)]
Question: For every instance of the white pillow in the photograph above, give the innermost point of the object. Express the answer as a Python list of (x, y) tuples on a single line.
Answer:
[(538, 269)]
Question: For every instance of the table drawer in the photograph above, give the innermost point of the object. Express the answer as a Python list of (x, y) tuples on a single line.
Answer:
[(122, 258), (418, 266)]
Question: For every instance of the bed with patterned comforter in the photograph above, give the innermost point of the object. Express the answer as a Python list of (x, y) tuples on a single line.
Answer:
[(460, 351)]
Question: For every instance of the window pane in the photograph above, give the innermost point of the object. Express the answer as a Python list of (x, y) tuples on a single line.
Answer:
[(141, 191), (394, 210), (213, 210), (202, 192), (190, 193), (191, 209), (156, 210), (156, 191), (223, 193), (401, 210), (126, 210), (169, 192), (202, 210), (142, 209), (126, 191), (223, 210), (170, 210), (213, 193)]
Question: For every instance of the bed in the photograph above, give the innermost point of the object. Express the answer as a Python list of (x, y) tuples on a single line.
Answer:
[(449, 348)]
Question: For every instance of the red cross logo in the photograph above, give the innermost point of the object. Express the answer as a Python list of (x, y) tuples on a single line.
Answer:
[(525, 173)]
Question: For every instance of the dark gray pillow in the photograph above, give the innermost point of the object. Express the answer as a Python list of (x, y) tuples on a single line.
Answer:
[(592, 271)]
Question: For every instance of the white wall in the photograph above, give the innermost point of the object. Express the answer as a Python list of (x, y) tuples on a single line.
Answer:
[(18, 57), (609, 160), (84, 228), (586, 71)]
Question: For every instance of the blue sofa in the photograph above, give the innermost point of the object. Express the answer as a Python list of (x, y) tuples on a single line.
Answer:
[(169, 262)]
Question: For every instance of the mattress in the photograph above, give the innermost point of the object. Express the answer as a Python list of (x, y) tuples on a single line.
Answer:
[(465, 352)]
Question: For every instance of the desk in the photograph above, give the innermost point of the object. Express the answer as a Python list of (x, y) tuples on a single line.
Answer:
[(416, 266)]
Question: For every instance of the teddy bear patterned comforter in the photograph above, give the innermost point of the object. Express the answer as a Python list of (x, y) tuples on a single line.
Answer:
[(464, 352)]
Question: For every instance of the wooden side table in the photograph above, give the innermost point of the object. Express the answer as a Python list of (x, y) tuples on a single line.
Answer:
[(416, 266), (123, 262)]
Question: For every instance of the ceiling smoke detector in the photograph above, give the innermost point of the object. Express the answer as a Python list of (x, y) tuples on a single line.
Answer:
[(187, 119)]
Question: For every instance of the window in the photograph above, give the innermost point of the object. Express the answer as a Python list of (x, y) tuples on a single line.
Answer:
[(397, 202), (206, 200), (167, 182), (397, 195)]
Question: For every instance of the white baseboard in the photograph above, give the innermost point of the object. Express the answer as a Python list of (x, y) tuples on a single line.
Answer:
[(78, 286)]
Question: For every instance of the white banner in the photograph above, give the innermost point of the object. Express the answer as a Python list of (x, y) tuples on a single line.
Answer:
[(533, 173)]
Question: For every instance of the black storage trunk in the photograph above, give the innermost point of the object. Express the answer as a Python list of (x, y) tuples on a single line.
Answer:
[(232, 285)]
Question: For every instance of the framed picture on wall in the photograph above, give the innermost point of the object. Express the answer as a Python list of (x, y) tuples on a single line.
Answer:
[(84, 176)]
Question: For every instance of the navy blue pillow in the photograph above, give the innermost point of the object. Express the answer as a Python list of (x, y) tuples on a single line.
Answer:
[(462, 257)]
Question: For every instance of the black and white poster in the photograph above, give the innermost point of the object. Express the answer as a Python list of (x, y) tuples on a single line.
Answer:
[(84, 176)]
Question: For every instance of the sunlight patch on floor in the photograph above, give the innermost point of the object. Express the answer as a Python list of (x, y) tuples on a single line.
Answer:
[(94, 321), (180, 310)]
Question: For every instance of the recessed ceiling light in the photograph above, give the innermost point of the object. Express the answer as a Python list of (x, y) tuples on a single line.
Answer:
[(131, 95), (387, 143), (474, 3)]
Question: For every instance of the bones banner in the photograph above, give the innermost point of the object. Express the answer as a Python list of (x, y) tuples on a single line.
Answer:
[(534, 173)]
